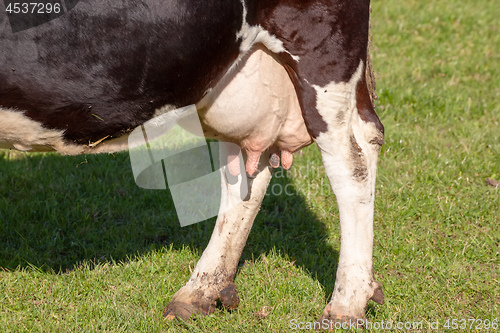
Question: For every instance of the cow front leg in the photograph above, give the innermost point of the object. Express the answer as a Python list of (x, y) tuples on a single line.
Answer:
[(213, 276), (350, 148)]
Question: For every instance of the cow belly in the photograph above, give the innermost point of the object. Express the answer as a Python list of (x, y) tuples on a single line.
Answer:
[(255, 107)]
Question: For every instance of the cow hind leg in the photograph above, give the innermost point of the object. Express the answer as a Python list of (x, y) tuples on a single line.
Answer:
[(350, 148), (213, 276)]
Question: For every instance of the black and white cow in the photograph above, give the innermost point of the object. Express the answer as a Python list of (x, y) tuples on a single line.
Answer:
[(269, 75)]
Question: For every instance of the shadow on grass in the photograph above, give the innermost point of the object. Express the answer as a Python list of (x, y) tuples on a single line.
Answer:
[(56, 212)]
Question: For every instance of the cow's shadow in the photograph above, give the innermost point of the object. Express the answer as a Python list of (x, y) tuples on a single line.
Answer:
[(57, 212)]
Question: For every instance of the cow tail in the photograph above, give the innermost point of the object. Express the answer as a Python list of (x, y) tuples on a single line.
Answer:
[(369, 74)]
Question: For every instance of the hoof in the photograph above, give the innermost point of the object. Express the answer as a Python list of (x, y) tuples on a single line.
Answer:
[(329, 324), (229, 297), (378, 294), (182, 310), (185, 304), (336, 317), (332, 320)]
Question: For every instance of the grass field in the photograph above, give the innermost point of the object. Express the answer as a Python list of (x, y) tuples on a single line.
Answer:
[(83, 249)]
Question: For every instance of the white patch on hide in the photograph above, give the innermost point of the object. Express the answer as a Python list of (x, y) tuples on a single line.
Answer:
[(164, 109), (251, 35), (22, 133)]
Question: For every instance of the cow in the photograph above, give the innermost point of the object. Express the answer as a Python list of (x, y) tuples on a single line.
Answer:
[(271, 76)]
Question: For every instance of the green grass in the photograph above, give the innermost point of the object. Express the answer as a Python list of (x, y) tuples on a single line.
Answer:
[(82, 248)]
